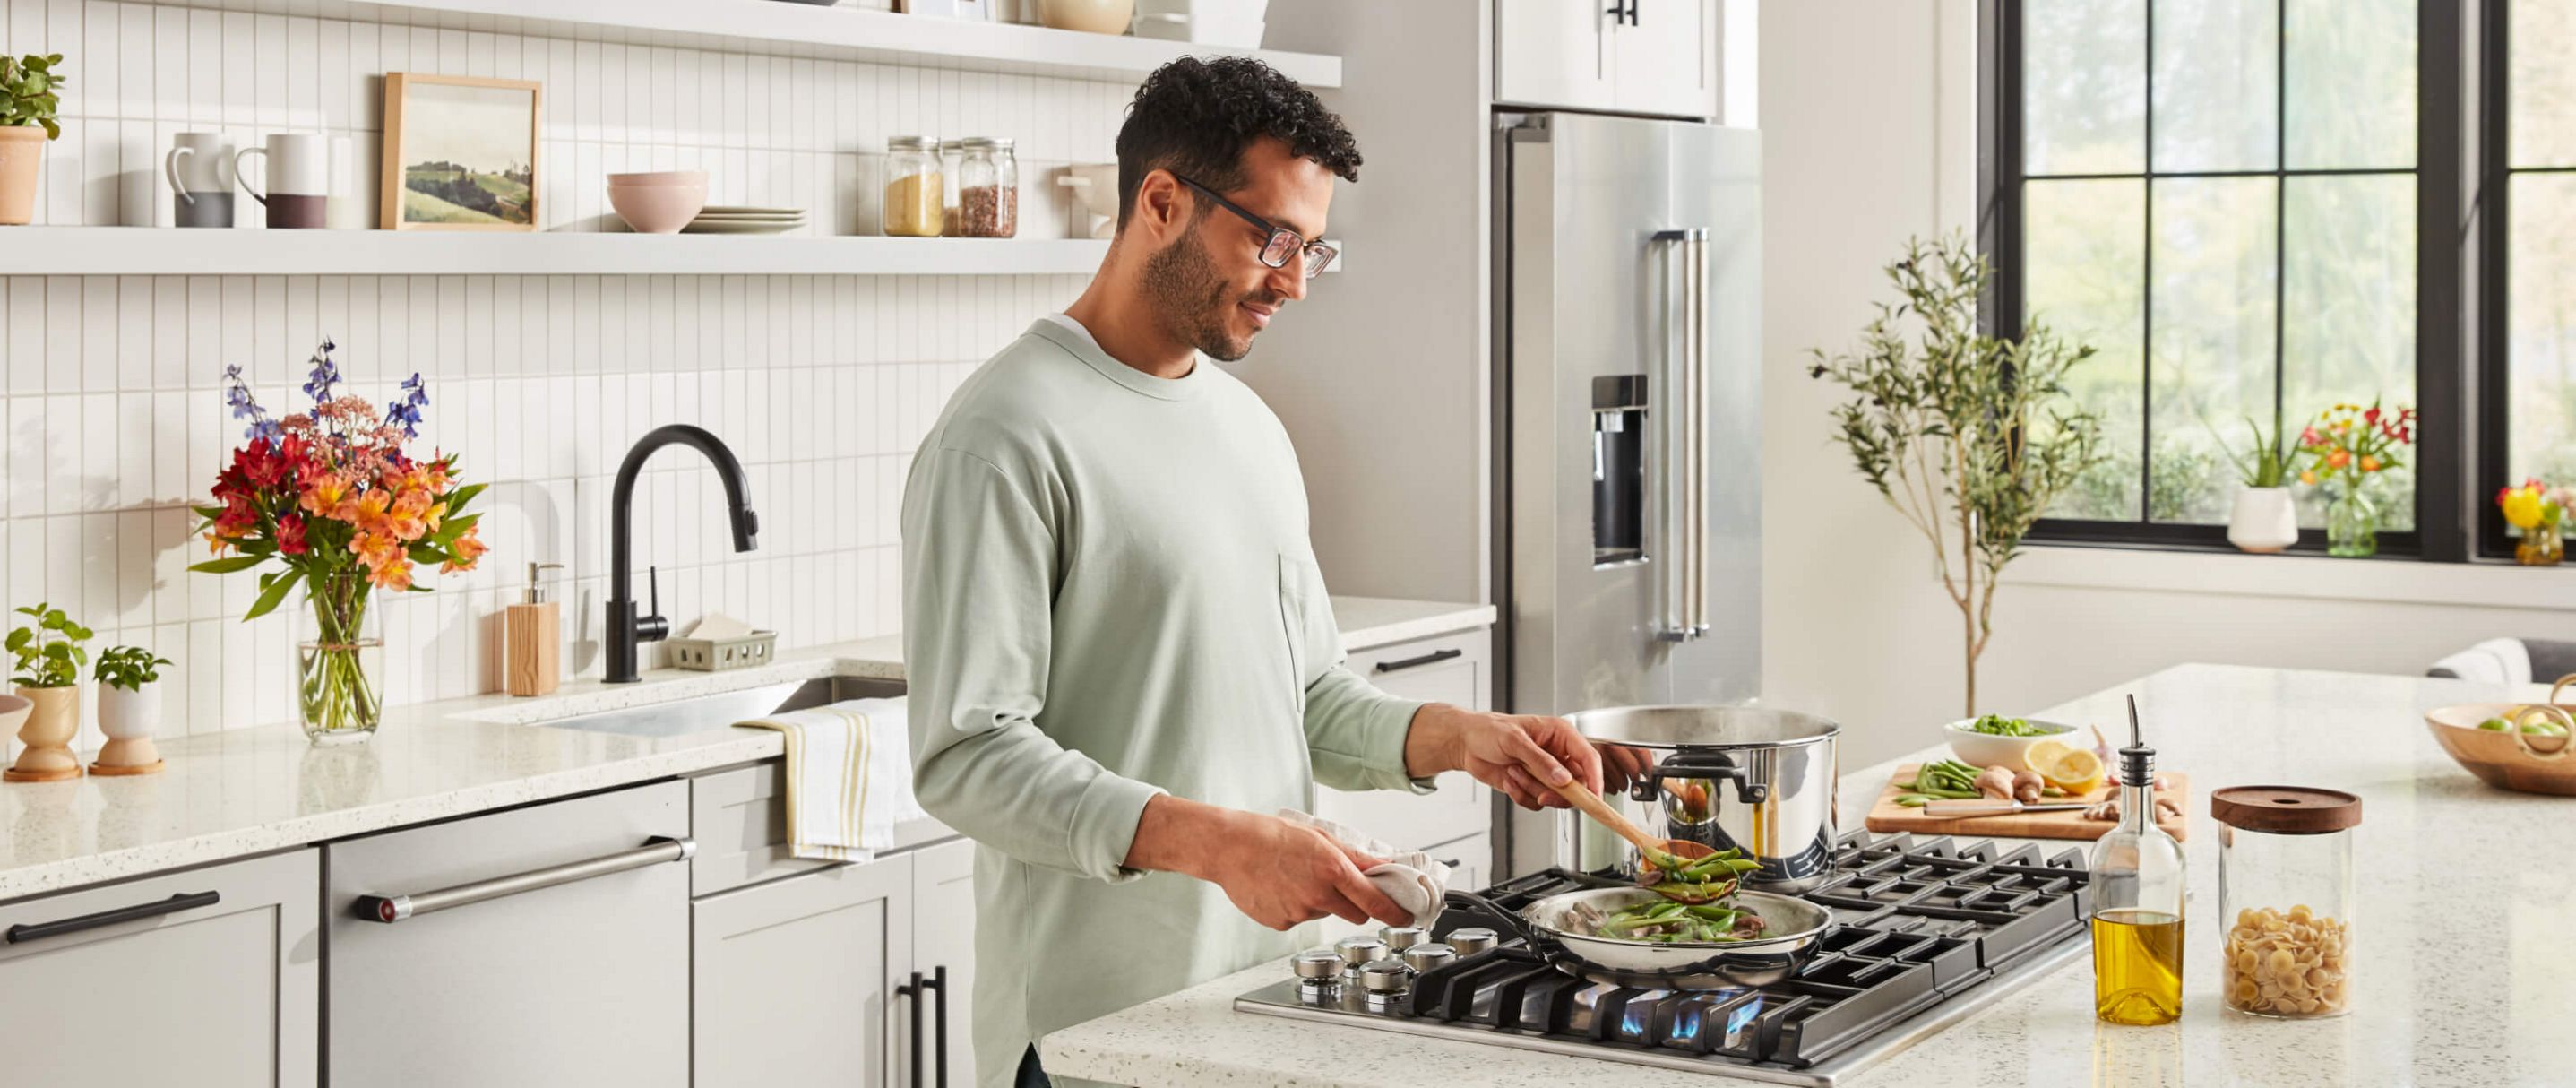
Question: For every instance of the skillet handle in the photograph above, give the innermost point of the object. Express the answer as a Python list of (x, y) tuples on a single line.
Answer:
[(1509, 920)]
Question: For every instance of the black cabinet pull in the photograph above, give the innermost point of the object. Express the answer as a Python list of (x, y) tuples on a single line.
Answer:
[(1433, 658), (913, 991), (21, 934)]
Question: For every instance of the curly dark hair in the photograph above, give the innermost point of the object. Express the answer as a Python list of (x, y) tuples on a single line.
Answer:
[(1195, 117)]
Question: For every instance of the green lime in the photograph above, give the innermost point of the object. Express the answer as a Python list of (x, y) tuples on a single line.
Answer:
[(2496, 725)]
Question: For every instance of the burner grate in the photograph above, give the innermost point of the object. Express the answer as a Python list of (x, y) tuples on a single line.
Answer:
[(1921, 922)]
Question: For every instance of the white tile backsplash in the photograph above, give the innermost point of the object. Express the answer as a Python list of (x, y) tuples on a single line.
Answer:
[(823, 385)]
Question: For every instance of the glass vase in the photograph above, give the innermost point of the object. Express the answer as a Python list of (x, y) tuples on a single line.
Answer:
[(340, 665), (2540, 546), (2352, 525)]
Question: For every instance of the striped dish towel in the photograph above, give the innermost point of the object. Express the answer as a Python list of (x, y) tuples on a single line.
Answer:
[(849, 777)]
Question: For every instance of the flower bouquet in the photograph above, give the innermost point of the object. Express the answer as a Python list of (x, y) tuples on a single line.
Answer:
[(331, 496), (2345, 446), (2537, 511)]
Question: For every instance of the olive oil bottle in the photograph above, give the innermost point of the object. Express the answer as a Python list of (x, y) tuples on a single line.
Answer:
[(2137, 901)]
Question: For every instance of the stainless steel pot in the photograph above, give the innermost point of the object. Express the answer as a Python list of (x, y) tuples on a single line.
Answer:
[(1752, 778)]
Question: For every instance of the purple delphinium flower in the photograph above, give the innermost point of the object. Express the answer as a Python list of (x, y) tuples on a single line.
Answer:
[(326, 374), (405, 409), (237, 395)]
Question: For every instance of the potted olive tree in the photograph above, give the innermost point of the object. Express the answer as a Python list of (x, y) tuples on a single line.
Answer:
[(27, 106), (1970, 436), (49, 656), (129, 710)]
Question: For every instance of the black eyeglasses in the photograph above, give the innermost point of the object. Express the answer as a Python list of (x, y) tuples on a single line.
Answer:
[(1283, 243)]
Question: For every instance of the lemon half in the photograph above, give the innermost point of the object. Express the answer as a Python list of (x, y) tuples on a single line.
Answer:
[(2076, 770)]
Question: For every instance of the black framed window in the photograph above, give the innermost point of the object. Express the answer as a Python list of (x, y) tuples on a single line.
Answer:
[(2226, 198), (2528, 239)]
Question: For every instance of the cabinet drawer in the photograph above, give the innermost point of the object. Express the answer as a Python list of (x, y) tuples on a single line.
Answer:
[(573, 978), (1446, 669), (221, 995), (739, 817)]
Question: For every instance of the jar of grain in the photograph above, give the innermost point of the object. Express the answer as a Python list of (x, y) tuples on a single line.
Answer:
[(912, 188), (2285, 899), (988, 188)]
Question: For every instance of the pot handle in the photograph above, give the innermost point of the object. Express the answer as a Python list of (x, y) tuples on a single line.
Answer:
[(1717, 766)]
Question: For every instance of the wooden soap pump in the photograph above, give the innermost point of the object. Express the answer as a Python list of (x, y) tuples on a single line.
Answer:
[(532, 632)]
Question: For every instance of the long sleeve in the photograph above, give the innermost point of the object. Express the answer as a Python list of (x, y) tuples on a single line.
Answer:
[(978, 594), (1354, 732)]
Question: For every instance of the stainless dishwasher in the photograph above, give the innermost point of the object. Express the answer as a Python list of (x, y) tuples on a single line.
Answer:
[(546, 945)]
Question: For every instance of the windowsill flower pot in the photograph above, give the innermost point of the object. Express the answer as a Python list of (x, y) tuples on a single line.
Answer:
[(2266, 520)]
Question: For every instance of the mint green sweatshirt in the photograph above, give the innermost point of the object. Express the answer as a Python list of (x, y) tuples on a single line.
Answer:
[(1108, 594)]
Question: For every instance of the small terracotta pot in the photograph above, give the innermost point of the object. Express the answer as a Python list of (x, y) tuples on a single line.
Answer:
[(22, 148), (48, 734)]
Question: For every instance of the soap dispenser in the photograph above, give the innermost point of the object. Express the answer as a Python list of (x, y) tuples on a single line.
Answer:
[(532, 637)]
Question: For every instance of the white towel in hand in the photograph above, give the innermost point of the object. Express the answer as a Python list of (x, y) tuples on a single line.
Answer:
[(1412, 878), (849, 777)]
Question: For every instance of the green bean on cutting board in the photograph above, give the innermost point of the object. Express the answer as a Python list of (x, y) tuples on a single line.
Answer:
[(1944, 778)]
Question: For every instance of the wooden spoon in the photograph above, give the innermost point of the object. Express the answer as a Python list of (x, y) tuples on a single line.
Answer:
[(1664, 854)]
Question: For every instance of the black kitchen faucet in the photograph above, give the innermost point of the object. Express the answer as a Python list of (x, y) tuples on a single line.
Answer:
[(625, 628)]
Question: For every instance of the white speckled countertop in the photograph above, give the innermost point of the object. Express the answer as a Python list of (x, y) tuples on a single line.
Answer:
[(2466, 943), (245, 791)]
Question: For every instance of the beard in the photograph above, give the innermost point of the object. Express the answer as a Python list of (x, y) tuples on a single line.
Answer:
[(1192, 299)]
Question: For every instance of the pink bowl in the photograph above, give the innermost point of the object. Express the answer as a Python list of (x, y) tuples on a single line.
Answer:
[(657, 209), (666, 177)]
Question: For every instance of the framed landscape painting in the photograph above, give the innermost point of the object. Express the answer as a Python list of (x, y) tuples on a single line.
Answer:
[(460, 153)]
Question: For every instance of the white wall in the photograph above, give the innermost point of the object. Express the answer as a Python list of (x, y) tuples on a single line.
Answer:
[(1869, 137), (108, 385)]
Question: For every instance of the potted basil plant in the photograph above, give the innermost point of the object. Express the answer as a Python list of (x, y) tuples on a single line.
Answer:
[(49, 658), (129, 710)]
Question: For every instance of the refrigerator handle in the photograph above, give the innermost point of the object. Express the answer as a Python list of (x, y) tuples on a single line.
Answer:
[(1684, 437)]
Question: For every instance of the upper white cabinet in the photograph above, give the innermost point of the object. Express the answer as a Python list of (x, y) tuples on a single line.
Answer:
[(542, 945), (204, 978), (1553, 53), (1634, 56)]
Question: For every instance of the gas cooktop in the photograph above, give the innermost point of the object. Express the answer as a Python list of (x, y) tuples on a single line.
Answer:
[(1927, 932)]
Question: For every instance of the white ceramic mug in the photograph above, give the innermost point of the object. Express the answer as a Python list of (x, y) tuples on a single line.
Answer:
[(298, 176), (200, 169)]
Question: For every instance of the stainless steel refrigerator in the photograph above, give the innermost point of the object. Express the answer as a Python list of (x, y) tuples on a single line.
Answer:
[(1628, 404)]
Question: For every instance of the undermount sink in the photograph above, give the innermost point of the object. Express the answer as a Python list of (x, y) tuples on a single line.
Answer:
[(706, 713)]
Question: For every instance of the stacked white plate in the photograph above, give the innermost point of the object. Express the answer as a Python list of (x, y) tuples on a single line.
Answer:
[(735, 219)]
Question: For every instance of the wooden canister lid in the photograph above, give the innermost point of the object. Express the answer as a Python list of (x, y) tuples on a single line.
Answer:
[(2285, 810)]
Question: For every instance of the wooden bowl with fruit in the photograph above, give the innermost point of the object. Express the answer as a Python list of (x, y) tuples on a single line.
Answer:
[(2516, 746)]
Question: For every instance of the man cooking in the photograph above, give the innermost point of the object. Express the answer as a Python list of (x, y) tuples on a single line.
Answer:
[(1120, 653)]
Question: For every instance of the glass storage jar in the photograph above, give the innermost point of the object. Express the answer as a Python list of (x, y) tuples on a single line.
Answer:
[(949, 150), (988, 188), (912, 195), (2285, 899)]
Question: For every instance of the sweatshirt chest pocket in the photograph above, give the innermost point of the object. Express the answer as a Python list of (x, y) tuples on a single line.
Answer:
[(1298, 612)]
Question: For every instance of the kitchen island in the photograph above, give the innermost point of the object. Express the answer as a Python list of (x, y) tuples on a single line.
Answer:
[(2465, 969)]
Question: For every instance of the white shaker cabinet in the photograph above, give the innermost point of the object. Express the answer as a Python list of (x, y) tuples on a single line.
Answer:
[(943, 951), (207, 978), (1629, 56), (798, 980), (546, 945), (1553, 53), (1455, 669)]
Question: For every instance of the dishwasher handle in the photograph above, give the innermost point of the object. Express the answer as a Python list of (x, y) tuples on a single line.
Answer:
[(389, 909)]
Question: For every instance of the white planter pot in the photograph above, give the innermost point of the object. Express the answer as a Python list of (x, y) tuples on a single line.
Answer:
[(2266, 519), (129, 718)]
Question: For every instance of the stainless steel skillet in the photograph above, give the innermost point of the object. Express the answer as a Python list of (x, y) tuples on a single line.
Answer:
[(1555, 927)]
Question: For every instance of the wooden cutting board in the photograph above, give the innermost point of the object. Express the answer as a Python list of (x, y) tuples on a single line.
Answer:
[(1888, 816)]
